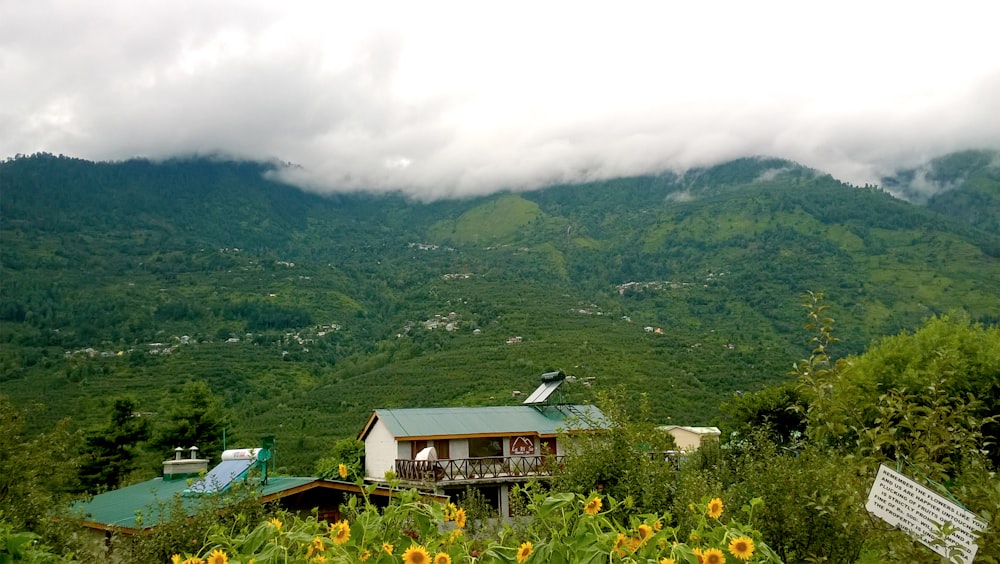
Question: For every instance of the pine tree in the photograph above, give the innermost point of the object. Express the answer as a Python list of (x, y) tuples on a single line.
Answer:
[(197, 418), (110, 451)]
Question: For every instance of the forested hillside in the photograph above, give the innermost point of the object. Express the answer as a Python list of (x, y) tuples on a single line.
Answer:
[(303, 312), (964, 186)]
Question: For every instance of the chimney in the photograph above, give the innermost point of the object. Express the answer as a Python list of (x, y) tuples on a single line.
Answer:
[(181, 468)]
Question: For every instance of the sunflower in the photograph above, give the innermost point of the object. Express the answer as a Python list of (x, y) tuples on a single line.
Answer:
[(699, 554), (619, 548), (387, 548), (741, 547), (342, 470), (365, 555), (315, 547), (645, 531), (340, 532), (714, 556), (667, 561), (218, 557), (416, 554), (442, 558), (175, 559), (715, 508), (593, 506), (460, 517), (657, 525), (620, 540), (193, 560), (524, 552), (276, 523)]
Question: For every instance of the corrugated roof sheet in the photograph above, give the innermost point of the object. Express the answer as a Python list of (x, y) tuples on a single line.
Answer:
[(153, 499), (498, 420)]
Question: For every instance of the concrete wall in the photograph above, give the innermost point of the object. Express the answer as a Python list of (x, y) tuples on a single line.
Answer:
[(459, 448), (381, 451), (689, 440)]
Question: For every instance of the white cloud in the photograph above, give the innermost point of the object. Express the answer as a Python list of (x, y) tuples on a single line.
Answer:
[(681, 196), (444, 99)]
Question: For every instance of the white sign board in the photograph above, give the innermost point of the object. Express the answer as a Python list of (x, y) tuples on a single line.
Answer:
[(903, 503)]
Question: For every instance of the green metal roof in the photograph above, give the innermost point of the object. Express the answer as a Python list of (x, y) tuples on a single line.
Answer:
[(153, 500), (492, 420)]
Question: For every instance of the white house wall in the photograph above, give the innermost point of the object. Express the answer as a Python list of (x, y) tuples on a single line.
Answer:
[(458, 448), (686, 440), (564, 445), (380, 451)]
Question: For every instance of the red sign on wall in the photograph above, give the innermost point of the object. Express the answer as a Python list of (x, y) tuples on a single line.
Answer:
[(522, 445)]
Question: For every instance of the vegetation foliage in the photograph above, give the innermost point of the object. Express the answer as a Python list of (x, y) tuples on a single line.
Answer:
[(298, 310), (759, 495), (171, 304)]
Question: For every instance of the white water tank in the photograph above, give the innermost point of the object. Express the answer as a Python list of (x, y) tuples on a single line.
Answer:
[(240, 454)]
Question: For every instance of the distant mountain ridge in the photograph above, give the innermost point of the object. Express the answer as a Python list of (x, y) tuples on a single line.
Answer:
[(964, 186), (305, 311)]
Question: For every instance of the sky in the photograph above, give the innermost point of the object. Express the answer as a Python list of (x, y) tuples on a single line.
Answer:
[(452, 99)]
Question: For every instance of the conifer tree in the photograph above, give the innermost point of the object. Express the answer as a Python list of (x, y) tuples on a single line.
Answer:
[(110, 451), (196, 418)]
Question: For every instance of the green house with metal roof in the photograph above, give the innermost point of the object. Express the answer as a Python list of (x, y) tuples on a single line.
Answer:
[(145, 505), (447, 449), (188, 486)]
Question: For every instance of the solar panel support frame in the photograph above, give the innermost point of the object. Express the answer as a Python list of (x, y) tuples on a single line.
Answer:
[(550, 383)]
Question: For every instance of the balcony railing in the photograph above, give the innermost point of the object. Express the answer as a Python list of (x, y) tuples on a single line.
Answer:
[(476, 468)]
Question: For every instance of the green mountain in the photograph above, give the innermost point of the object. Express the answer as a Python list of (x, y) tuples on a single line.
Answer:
[(965, 185), (304, 312), (975, 200)]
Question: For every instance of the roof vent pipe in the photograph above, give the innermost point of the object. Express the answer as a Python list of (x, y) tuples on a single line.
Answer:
[(177, 453), (194, 453)]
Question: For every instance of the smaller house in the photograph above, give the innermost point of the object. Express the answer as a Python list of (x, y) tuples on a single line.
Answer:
[(145, 505), (188, 485), (691, 438)]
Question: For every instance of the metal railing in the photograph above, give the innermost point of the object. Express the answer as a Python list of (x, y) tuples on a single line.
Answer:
[(476, 468)]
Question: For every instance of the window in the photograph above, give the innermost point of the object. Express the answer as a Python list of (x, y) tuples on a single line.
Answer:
[(440, 445), (486, 447)]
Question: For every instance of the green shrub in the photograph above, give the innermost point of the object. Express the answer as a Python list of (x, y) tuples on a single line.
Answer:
[(565, 527)]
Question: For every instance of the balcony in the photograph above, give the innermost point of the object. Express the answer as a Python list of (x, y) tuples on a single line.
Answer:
[(461, 469)]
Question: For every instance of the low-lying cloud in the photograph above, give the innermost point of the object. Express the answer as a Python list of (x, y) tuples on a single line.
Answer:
[(450, 99)]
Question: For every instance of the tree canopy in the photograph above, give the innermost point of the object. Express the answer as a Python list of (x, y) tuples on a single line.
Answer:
[(110, 451), (195, 417)]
